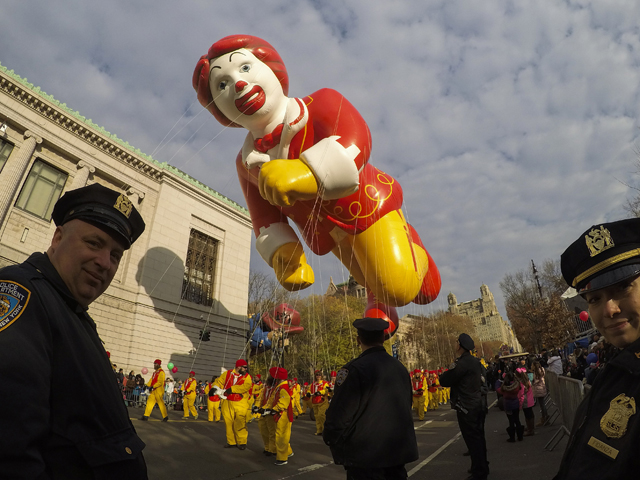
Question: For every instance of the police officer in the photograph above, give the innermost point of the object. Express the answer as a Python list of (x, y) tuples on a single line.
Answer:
[(370, 439), (465, 377), (46, 333), (603, 265)]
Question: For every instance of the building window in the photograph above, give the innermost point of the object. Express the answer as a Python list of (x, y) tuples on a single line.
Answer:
[(200, 269), (41, 190), (5, 151)]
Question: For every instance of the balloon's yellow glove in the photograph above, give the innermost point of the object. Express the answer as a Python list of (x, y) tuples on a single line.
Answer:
[(291, 267), (283, 182)]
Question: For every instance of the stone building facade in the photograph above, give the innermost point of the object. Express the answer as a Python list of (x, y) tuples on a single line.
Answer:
[(188, 272), (487, 321)]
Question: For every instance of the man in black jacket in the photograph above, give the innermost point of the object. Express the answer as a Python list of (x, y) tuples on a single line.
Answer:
[(367, 436), (465, 377), (45, 333)]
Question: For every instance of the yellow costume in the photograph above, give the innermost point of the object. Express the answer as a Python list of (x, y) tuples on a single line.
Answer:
[(234, 408), (319, 402), (294, 388), (306, 401), (213, 404), (156, 383), (189, 397), (418, 388), (432, 385), (255, 395)]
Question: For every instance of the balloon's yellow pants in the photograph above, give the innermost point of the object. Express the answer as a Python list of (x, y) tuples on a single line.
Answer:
[(156, 397), (385, 260), (235, 421)]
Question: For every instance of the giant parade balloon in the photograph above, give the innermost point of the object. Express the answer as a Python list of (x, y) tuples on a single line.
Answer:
[(306, 161), (265, 328)]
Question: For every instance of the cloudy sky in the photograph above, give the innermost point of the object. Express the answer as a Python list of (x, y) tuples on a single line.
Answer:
[(511, 125)]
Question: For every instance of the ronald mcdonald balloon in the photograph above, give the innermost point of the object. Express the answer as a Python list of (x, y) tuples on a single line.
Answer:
[(306, 161)]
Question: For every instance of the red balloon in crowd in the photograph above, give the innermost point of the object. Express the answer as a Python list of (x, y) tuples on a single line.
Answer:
[(584, 316), (174, 369)]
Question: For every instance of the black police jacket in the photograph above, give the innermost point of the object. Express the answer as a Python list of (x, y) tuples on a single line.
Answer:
[(607, 424), (62, 415), (369, 422), (465, 379)]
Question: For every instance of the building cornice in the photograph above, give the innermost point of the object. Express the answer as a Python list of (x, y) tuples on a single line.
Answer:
[(96, 136)]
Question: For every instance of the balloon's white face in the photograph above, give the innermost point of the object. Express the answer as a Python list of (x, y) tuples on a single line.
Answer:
[(245, 90)]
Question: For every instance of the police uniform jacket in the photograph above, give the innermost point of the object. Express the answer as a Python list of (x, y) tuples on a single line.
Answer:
[(465, 379), (62, 412), (369, 421), (607, 410)]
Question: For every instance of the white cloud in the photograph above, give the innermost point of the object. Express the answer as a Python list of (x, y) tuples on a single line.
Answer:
[(508, 124)]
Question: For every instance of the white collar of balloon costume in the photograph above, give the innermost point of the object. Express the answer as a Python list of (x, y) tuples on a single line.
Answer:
[(332, 164)]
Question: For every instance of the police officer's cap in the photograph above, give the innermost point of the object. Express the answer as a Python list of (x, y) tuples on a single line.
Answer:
[(104, 208), (369, 324), (466, 342), (603, 256)]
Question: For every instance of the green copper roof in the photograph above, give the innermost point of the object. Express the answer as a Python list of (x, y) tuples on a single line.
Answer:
[(122, 143)]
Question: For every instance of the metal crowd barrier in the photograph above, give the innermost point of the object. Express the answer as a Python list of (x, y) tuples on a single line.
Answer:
[(565, 396)]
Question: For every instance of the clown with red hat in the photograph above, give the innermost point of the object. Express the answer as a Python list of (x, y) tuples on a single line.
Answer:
[(418, 387), (276, 413), (213, 401), (236, 385), (318, 394), (189, 396), (156, 385)]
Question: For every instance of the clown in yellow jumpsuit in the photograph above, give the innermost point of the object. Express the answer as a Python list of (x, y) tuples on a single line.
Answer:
[(255, 394), (418, 389), (189, 396), (213, 402), (156, 383), (432, 386), (306, 401), (236, 384), (295, 397), (318, 395), (277, 415)]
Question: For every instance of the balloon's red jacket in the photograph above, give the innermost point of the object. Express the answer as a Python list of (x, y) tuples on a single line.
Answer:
[(329, 135)]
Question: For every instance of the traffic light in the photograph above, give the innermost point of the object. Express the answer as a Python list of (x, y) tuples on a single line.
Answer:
[(205, 335)]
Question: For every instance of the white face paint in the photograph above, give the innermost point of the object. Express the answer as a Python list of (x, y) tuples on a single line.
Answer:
[(245, 90)]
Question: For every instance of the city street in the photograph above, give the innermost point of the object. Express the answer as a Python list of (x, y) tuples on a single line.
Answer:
[(193, 449)]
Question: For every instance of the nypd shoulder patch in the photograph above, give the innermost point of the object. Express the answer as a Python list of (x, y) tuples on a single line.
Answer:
[(13, 301), (341, 376)]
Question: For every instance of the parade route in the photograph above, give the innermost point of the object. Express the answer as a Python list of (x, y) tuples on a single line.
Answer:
[(193, 449)]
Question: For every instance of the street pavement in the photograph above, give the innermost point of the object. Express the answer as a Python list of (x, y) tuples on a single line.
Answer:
[(193, 449)]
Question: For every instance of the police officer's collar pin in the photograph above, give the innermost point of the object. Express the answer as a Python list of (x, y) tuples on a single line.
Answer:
[(603, 255)]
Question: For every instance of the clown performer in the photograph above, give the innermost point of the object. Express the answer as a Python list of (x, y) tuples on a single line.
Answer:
[(255, 394), (156, 384), (418, 388), (189, 396), (306, 398), (332, 384), (318, 396), (277, 414), (307, 160), (295, 397), (236, 384), (432, 386), (213, 401)]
